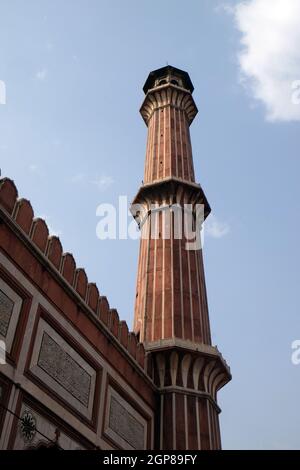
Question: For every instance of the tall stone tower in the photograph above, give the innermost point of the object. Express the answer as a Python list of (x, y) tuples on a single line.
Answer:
[(171, 312)]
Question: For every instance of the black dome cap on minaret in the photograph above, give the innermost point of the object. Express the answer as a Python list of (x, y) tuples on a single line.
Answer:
[(160, 73)]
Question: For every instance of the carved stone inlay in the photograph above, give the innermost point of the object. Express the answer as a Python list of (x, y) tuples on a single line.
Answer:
[(28, 426), (125, 425), (64, 369), (6, 308)]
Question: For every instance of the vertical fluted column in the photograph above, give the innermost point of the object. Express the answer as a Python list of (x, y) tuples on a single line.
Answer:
[(169, 151), (171, 293), (189, 412), (171, 298), (171, 310)]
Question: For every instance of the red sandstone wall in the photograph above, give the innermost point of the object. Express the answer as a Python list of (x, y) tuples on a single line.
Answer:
[(57, 297)]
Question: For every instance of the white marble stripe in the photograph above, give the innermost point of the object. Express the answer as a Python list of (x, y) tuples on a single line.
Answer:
[(147, 248), (191, 296), (204, 300), (149, 165), (206, 308), (209, 425), (188, 157), (186, 424), (199, 294), (203, 313), (156, 218), (174, 420), (217, 444), (181, 146), (175, 141), (158, 144), (153, 146), (150, 156), (147, 150), (170, 142), (198, 424), (138, 286), (213, 433), (161, 422), (181, 290), (190, 151), (165, 140), (219, 433), (163, 221), (172, 272), (142, 261)]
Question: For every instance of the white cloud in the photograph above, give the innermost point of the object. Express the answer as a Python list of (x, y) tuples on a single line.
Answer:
[(270, 54), (2, 92), (41, 74), (103, 182), (224, 7), (214, 228)]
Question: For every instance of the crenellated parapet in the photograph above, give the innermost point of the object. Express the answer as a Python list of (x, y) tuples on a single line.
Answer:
[(18, 212)]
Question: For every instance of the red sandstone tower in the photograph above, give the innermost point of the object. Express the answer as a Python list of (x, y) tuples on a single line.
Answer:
[(171, 312)]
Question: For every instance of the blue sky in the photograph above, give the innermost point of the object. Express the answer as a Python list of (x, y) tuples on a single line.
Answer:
[(72, 138)]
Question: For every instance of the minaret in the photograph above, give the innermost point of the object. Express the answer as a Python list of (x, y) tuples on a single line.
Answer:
[(171, 312)]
